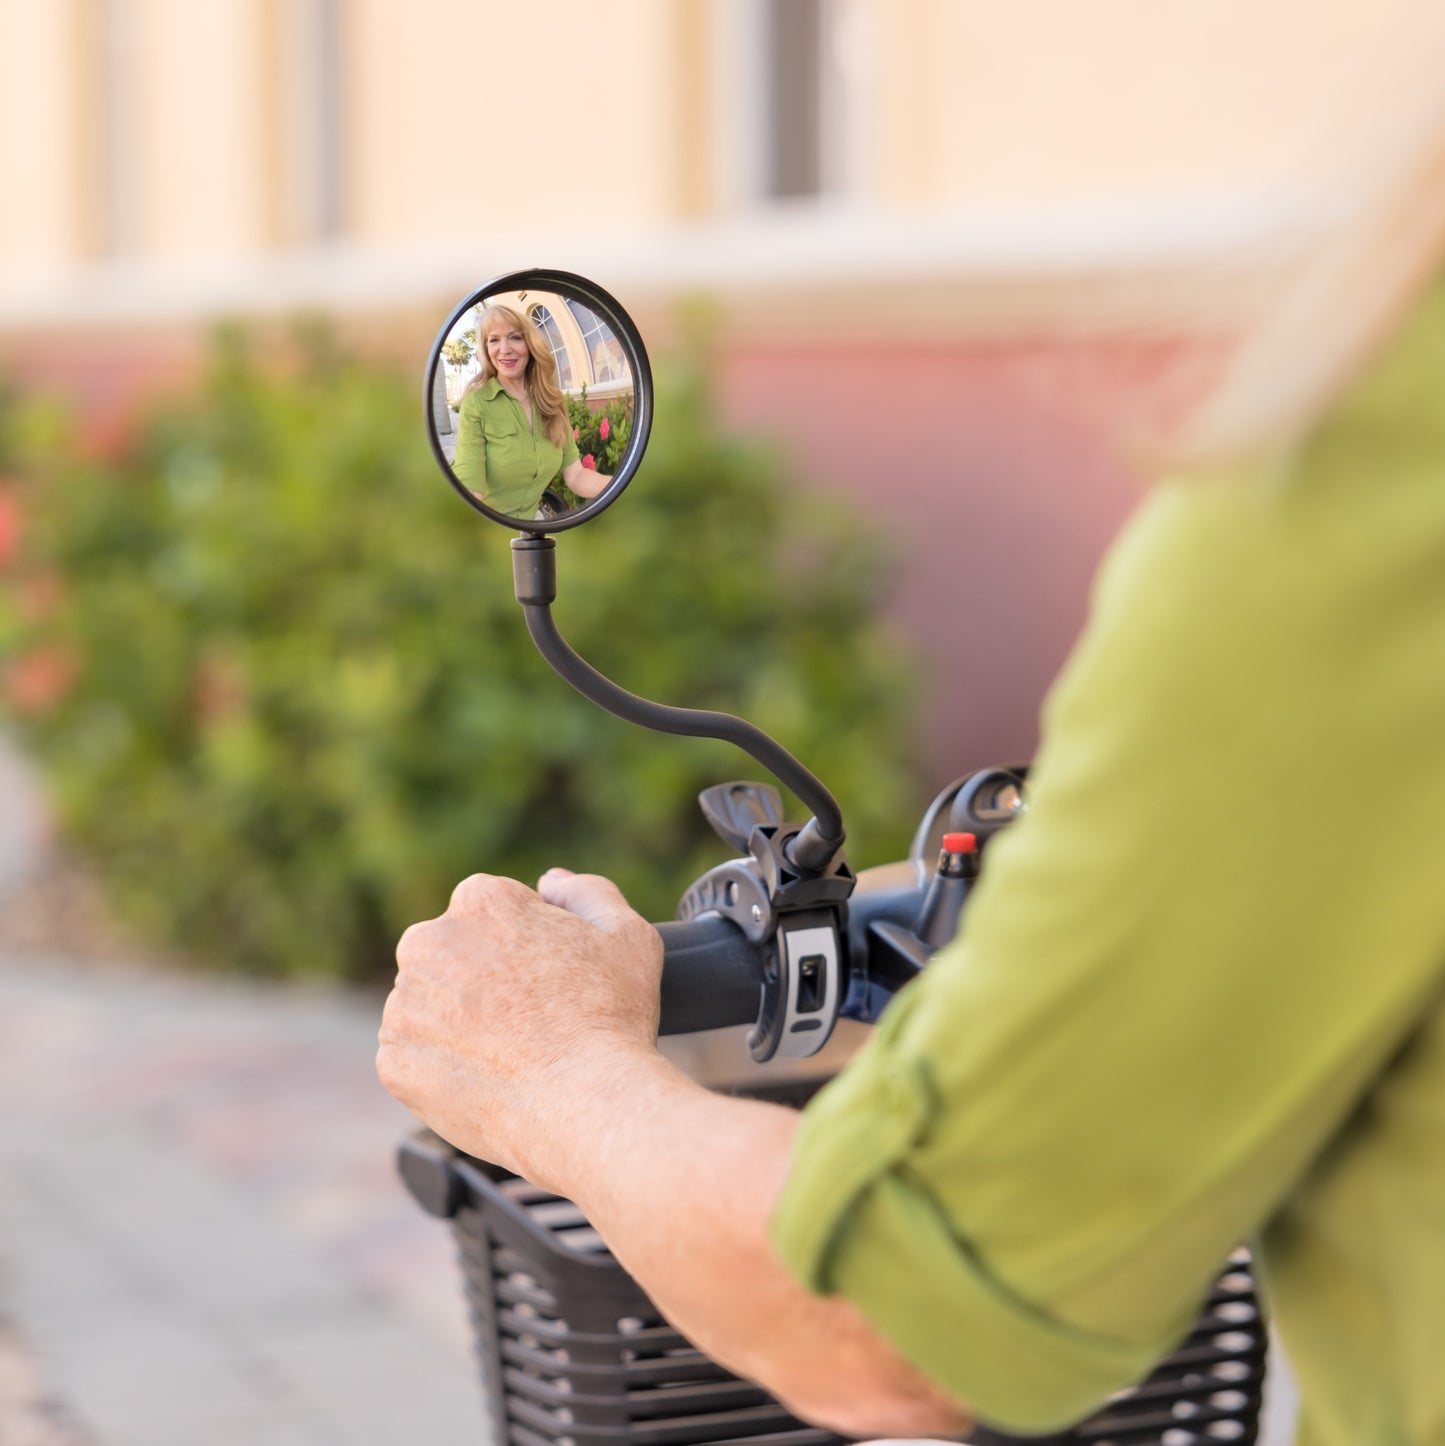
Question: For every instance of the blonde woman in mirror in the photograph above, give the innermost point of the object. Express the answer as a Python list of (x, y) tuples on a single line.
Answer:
[(514, 436)]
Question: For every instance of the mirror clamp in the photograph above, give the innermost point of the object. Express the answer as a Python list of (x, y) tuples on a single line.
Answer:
[(534, 570)]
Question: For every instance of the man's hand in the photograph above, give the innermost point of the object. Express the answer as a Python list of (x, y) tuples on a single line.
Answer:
[(512, 1002), (523, 1028)]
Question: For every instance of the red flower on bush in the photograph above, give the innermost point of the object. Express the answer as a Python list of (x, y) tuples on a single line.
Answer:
[(604, 429), (39, 680), (576, 434), (590, 462), (9, 528)]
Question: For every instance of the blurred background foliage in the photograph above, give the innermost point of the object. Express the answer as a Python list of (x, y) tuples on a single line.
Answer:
[(284, 698)]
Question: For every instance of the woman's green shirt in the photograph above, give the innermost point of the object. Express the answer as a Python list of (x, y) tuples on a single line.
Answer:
[(501, 456)]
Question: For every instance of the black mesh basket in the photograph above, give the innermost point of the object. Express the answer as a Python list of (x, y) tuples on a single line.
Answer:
[(1208, 1390), (573, 1353)]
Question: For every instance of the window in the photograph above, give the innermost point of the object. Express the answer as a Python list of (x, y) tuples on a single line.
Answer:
[(547, 325), (327, 122), (604, 351), (313, 117), (795, 80), (117, 210)]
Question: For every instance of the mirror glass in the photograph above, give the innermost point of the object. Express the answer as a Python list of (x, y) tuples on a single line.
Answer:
[(539, 399)]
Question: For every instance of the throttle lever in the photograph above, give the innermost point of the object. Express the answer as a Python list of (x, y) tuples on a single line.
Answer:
[(734, 810)]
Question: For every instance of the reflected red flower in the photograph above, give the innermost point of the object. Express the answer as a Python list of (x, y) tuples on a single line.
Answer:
[(590, 462), (576, 434), (37, 681), (604, 429)]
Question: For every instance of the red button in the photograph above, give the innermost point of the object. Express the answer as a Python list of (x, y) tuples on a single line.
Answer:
[(959, 843)]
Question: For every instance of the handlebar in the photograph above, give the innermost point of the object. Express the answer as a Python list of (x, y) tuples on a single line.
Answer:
[(711, 975)]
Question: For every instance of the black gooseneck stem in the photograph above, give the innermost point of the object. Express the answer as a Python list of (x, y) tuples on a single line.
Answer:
[(534, 571)]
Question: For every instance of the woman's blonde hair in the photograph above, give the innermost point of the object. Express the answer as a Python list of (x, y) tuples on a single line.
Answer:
[(541, 371)]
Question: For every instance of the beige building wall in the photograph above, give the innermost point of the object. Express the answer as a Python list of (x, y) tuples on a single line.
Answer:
[(203, 91), (461, 124), (987, 167), (45, 221), (1160, 101), (467, 120)]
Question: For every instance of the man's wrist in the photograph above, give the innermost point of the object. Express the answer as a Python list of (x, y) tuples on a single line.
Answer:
[(594, 1102)]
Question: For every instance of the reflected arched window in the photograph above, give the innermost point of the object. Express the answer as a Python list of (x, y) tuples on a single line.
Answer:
[(604, 351), (546, 323)]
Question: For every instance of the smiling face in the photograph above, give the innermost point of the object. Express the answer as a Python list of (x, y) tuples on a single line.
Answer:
[(507, 349)]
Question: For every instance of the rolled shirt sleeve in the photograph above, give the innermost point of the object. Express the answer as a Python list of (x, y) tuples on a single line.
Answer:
[(1180, 971), (861, 1220)]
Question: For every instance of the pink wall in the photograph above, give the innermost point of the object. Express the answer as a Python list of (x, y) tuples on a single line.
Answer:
[(991, 472), (103, 375), (992, 478)]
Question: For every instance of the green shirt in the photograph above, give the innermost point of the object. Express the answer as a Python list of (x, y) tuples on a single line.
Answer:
[(501, 456), (1197, 996)]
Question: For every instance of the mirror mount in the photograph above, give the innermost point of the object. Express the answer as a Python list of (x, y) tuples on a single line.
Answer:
[(812, 850)]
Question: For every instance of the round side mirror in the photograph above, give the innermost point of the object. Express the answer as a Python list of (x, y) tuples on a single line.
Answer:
[(539, 399)]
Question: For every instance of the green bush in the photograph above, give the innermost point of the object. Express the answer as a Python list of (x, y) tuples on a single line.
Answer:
[(285, 698), (602, 432)]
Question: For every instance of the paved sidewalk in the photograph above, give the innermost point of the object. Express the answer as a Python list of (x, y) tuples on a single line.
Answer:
[(202, 1238)]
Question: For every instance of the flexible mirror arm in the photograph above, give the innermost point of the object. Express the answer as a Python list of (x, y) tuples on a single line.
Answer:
[(534, 571)]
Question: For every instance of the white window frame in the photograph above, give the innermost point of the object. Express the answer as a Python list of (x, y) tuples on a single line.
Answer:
[(742, 106)]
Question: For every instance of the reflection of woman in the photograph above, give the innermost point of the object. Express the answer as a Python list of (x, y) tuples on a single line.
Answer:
[(513, 435)]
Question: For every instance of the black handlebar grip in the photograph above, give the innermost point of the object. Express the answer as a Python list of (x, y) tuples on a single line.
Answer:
[(711, 975)]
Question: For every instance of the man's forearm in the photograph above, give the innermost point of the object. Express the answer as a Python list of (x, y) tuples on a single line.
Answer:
[(681, 1184)]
